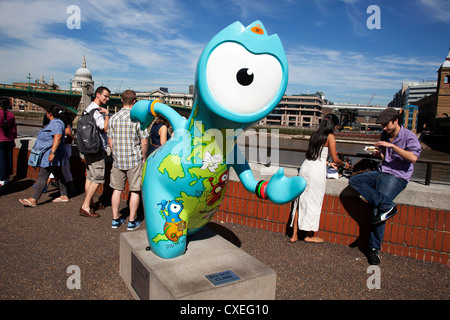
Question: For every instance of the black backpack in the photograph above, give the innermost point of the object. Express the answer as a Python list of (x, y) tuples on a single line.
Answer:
[(88, 138)]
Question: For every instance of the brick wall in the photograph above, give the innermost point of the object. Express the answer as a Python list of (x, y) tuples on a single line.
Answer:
[(417, 232)]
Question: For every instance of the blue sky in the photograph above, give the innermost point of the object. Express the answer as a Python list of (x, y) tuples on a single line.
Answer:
[(144, 45)]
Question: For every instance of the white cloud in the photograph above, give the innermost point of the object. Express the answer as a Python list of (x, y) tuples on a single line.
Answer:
[(127, 35), (151, 17), (341, 72), (437, 9), (26, 20), (146, 44)]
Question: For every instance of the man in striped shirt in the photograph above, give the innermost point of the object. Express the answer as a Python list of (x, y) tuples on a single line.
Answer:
[(128, 144)]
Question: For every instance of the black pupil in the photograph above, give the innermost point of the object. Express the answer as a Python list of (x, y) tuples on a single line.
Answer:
[(243, 77)]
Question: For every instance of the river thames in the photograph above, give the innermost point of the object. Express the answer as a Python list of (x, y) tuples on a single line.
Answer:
[(440, 173)]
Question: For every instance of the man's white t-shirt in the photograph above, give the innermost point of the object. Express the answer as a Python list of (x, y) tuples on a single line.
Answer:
[(99, 121)]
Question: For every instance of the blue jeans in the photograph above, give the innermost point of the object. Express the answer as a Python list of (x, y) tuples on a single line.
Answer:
[(379, 189)]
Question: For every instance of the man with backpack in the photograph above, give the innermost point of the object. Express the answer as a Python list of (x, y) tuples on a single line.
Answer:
[(95, 162)]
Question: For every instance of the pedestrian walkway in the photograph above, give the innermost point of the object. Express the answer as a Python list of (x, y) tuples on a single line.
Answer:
[(39, 244)]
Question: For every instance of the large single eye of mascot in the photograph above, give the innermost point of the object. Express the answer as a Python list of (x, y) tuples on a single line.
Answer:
[(241, 76)]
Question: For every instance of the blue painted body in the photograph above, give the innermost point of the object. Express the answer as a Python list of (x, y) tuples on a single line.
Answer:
[(241, 76)]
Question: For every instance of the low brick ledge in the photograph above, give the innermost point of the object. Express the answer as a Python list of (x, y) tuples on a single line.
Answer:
[(418, 232)]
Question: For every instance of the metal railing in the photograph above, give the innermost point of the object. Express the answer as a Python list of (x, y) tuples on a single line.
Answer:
[(429, 163)]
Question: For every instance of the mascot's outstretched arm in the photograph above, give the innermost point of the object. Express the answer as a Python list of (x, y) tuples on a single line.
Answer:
[(144, 111), (279, 189)]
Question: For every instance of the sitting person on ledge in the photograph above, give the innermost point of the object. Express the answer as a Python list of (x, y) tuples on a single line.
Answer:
[(399, 149)]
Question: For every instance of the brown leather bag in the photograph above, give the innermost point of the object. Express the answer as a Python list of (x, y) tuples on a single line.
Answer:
[(364, 165)]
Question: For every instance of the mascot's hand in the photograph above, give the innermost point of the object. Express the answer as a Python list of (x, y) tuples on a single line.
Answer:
[(140, 113), (282, 189)]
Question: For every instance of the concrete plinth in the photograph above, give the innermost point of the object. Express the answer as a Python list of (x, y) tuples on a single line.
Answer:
[(211, 269)]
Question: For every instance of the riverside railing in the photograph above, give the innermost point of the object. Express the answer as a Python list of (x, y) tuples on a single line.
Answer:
[(429, 163)]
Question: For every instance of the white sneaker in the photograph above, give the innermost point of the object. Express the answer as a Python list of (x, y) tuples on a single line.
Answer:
[(383, 216)]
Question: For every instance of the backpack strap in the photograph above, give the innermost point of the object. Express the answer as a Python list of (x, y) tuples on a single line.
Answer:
[(90, 112)]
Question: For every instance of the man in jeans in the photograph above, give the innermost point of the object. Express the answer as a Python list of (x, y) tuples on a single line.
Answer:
[(399, 149), (128, 144)]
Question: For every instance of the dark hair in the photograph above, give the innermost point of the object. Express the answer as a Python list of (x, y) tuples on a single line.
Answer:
[(64, 116), (100, 90), (319, 137), (54, 110), (4, 102), (161, 119)]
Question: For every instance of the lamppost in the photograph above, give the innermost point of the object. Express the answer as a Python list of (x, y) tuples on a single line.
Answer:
[(29, 84)]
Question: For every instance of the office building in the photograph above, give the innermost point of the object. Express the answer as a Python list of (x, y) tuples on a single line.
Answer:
[(163, 95), (304, 110), (412, 92), (410, 117)]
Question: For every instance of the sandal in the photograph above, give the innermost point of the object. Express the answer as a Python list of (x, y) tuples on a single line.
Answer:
[(313, 240), (27, 203), (60, 200)]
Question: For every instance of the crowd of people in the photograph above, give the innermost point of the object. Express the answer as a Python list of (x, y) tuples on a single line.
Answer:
[(398, 150), (127, 142)]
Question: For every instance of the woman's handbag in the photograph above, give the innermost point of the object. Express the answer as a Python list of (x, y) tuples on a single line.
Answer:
[(35, 157)]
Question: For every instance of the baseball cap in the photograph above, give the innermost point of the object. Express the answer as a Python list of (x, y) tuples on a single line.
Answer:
[(387, 115)]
